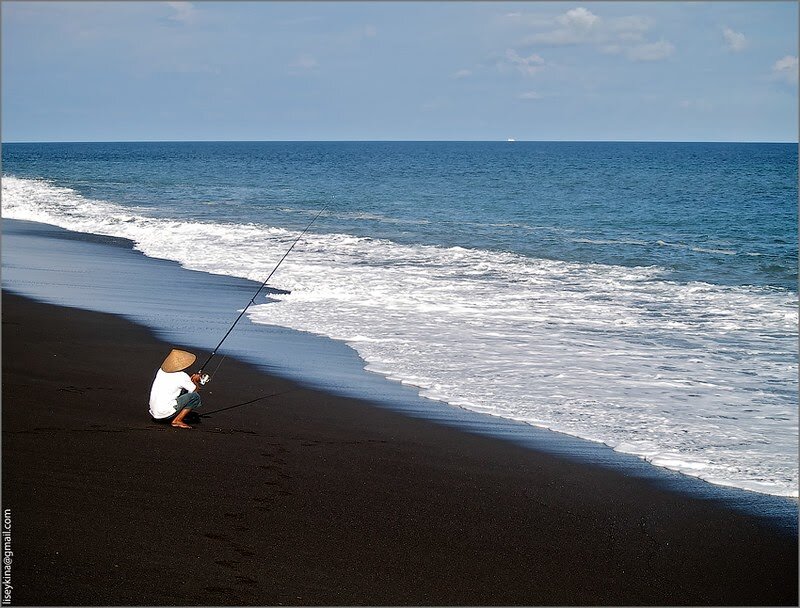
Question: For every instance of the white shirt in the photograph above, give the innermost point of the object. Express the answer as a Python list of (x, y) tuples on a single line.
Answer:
[(165, 391)]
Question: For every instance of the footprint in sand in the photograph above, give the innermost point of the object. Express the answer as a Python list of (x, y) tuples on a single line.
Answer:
[(72, 389), (246, 580)]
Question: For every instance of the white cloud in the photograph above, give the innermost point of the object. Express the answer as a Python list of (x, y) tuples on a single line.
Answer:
[(184, 12), (735, 41), (579, 18), (654, 51), (462, 74), (629, 37), (787, 63), (578, 25), (786, 69), (617, 35), (526, 65)]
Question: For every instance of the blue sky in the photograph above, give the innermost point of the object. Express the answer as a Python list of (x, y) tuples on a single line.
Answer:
[(660, 71)]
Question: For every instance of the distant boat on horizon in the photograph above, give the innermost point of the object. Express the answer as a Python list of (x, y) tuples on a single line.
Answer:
[(511, 139)]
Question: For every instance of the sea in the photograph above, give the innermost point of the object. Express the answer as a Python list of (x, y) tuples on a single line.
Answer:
[(640, 295)]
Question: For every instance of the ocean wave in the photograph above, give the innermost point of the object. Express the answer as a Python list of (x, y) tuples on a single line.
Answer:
[(608, 353), (660, 243)]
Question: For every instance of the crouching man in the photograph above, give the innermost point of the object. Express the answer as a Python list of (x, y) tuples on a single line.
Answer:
[(168, 402)]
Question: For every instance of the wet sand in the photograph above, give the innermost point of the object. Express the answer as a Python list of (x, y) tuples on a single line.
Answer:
[(296, 496)]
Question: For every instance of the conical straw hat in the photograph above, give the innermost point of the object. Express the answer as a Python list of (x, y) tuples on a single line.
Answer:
[(177, 360)]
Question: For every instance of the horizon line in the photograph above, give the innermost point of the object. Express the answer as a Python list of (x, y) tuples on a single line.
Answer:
[(164, 141)]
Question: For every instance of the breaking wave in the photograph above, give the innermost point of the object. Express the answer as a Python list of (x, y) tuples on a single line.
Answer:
[(694, 377)]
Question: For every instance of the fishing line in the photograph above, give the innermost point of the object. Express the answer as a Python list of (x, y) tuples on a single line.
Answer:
[(258, 291), (211, 375)]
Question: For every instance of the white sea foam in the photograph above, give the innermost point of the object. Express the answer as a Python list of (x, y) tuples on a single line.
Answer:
[(694, 377)]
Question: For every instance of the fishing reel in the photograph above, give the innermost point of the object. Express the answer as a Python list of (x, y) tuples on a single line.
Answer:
[(204, 378)]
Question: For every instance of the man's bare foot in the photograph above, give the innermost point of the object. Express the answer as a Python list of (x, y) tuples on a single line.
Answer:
[(178, 422)]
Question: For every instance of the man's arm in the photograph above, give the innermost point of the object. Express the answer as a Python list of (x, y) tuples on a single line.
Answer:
[(190, 383)]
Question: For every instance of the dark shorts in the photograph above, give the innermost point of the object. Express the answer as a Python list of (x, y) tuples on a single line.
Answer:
[(190, 400)]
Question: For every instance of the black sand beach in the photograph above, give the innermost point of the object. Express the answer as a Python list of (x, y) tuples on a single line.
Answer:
[(301, 497)]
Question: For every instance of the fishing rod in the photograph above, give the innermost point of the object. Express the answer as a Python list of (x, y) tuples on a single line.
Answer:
[(205, 378)]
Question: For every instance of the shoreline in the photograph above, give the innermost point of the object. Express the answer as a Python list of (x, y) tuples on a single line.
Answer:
[(107, 274), (308, 498)]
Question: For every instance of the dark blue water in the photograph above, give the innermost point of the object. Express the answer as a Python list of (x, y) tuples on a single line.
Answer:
[(715, 212)]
